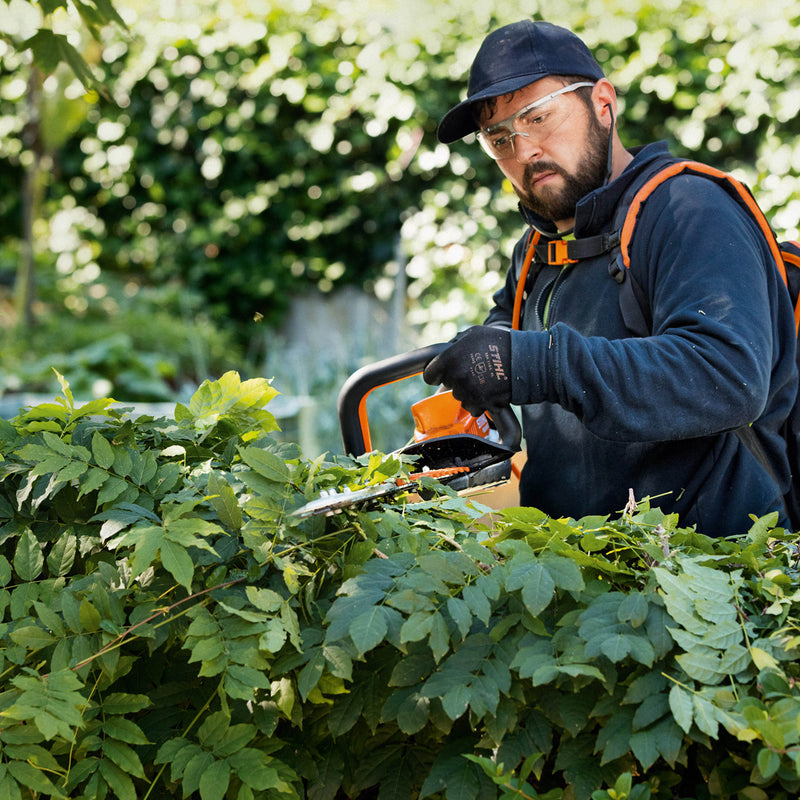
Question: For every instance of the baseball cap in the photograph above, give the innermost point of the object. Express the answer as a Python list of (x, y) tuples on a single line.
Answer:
[(514, 56)]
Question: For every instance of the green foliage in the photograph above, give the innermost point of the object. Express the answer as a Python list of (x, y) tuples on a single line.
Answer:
[(257, 158), (170, 629), (49, 50), (254, 151), (137, 344)]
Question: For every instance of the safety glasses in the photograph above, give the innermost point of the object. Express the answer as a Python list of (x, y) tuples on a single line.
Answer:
[(536, 122)]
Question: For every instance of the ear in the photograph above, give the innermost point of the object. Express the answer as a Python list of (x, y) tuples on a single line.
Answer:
[(604, 97)]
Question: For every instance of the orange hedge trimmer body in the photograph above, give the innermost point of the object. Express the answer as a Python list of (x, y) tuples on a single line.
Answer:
[(450, 444)]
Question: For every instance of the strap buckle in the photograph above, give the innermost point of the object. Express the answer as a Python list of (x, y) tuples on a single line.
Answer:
[(558, 253)]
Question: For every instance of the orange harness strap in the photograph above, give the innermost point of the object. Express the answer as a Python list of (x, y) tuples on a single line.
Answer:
[(516, 318), (742, 191)]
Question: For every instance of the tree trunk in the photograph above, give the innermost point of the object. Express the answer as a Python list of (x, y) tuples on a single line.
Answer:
[(32, 195)]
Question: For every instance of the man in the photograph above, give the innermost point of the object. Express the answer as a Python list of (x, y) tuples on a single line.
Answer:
[(605, 411)]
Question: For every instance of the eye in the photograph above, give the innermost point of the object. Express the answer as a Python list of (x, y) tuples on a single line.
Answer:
[(536, 116), (501, 140)]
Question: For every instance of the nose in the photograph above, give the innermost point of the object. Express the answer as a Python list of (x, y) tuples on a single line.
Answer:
[(526, 148)]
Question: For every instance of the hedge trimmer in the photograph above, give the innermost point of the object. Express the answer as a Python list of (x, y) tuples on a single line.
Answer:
[(451, 445)]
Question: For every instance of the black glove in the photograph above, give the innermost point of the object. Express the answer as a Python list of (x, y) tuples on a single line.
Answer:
[(477, 367)]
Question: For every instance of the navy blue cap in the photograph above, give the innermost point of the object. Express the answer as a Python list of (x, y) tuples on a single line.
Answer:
[(515, 56)]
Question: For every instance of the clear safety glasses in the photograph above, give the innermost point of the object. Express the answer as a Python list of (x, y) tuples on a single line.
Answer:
[(535, 122)]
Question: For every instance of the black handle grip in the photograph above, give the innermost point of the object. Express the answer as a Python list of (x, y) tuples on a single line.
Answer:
[(353, 396), (507, 424)]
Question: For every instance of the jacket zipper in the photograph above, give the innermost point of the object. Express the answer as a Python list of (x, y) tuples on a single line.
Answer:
[(550, 290)]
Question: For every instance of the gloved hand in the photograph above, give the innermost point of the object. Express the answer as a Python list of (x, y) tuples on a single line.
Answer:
[(477, 367)]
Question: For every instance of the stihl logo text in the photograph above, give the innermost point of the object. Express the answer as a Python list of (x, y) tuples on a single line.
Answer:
[(497, 363)]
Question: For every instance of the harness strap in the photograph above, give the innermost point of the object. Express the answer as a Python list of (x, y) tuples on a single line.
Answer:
[(791, 255), (558, 252), (737, 190), (519, 295)]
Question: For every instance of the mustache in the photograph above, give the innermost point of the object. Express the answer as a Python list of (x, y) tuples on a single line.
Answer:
[(540, 167)]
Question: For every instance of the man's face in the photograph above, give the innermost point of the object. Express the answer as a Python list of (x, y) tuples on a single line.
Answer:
[(552, 175)]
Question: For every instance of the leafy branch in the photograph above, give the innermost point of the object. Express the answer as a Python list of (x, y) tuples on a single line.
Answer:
[(50, 49), (170, 627)]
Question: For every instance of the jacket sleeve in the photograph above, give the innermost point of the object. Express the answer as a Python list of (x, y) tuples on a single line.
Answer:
[(706, 368)]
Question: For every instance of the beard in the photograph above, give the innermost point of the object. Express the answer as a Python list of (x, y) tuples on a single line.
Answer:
[(553, 204)]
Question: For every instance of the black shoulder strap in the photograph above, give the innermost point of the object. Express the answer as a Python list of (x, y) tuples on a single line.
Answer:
[(559, 252)]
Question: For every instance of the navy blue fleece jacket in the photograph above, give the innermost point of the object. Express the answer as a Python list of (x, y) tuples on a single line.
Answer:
[(604, 411)]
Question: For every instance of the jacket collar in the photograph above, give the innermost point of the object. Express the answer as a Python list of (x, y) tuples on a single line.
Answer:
[(595, 210)]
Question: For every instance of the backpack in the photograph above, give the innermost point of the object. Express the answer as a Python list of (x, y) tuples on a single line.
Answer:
[(634, 303)]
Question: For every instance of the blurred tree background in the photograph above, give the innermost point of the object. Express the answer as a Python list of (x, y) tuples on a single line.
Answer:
[(232, 160)]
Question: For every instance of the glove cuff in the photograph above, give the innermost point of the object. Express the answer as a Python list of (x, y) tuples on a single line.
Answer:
[(531, 354)]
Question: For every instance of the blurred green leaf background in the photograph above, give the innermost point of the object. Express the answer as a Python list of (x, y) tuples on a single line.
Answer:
[(258, 186)]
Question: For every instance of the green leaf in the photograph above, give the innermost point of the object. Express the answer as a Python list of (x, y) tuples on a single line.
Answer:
[(439, 637), (477, 602), (266, 464), (102, 451), (682, 707), (178, 562), (5, 571), (93, 481), (454, 775), (461, 615), (617, 647), (538, 590), (768, 762), (31, 637), (120, 703), (311, 673), (456, 700), (566, 574), (614, 737), (705, 716), (412, 715), (89, 616), (247, 680), (633, 609), (224, 502), (345, 713), (214, 781), (72, 471), (536, 582), (28, 557), (528, 660), (669, 740), (9, 788), (123, 462), (329, 776), (214, 727), (119, 781), (147, 540), (124, 730), (50, 618), (194, 770), (228, 396), (51, 464), (62, 554), (644, 745), (369, 629), (264, 599), (702, 665), (111, 489), (34, 780), (124, 757), (234, 739), (447, 567), (192, 532)]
